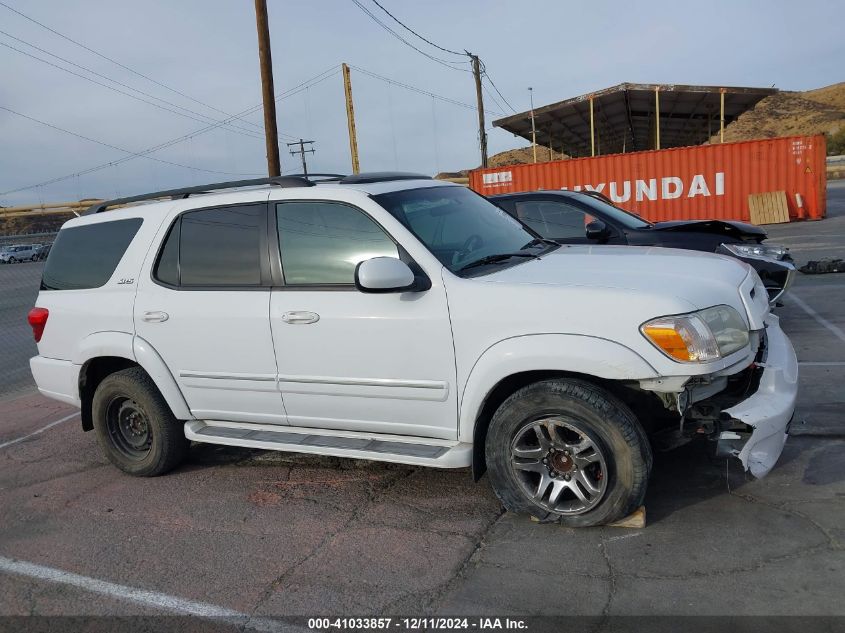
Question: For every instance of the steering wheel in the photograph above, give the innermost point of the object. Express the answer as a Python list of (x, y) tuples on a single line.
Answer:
[(472, 243)]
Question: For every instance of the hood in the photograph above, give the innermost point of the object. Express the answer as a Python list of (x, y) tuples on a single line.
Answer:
[(736, 230), (699, 279)]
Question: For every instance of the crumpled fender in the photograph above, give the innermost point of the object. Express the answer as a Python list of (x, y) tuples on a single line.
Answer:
[(588, 355)]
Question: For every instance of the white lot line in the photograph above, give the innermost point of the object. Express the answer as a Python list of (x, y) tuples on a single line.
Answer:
[(833, 329), (811, 363), (41, 430), (139, 596)]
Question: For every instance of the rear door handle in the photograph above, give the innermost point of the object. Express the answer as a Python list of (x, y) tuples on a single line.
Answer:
[(300, 317), (155, 317)]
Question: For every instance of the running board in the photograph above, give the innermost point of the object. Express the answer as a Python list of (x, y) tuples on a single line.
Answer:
[(373, 446)]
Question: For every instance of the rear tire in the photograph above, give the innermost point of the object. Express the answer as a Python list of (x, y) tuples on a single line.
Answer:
[(135, 428), (566, 450)]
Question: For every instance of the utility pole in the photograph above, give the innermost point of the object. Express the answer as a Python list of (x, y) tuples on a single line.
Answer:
[(533, 128), (267, 92), (482, 134), (350, 119), (302, 151)]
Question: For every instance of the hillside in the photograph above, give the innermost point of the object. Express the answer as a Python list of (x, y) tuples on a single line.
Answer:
[(819, 111), (523, 155), (519, 156)]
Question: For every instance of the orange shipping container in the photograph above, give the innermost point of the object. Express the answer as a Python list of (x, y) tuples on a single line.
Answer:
[(684, 183)]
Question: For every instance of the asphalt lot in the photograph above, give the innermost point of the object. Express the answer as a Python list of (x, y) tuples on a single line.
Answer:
[(268, 534)]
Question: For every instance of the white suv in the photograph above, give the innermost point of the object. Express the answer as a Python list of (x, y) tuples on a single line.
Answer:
[(20, 253), (397, 318)]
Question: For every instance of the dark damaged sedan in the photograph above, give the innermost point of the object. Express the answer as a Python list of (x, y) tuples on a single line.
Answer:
[(571, 217)]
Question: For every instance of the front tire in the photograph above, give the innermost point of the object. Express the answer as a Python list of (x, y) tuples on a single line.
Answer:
[(135, 428), (566, 450)]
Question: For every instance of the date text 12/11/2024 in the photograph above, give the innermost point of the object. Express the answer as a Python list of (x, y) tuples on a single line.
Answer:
[(418, 624)]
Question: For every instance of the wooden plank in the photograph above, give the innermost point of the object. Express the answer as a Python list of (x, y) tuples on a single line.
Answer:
[(768, 208)]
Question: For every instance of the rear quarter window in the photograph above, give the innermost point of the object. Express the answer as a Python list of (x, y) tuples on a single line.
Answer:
[(86, 256)]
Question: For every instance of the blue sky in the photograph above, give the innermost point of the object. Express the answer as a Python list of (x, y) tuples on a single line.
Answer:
[(206, 49)]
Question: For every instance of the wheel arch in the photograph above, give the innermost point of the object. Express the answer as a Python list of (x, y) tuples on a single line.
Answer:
[(516, 362), (105, 353)]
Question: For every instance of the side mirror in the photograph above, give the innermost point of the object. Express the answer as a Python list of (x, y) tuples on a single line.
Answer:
[(597, 230), (383, 274)]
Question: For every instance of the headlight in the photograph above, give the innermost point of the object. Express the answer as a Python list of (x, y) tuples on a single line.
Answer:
[(700, 336), (757, 250)]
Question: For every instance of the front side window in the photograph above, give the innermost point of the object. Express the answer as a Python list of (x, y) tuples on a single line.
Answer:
[(213, 247), (460, 227), (86, 256), (620, 216), (322, 242)]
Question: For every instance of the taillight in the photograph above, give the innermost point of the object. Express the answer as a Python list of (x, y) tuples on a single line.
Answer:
[(37, 318)]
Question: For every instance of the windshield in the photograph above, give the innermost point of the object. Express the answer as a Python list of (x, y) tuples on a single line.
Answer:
[(628, 220), (461, 228)]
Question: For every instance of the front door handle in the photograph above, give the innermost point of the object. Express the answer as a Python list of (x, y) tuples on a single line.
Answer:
[(155, 317), (300, 317)]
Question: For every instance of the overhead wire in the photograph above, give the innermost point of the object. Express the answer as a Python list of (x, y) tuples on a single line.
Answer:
[(421, 90), (492, 96), (117, 63), (489, 79), (120, 149), (123, 92), (204, 118), (313, 81), (375, 19), (434, 44), (410, 30)]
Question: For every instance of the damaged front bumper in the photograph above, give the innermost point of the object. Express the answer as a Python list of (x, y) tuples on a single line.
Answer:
[(768, 411)]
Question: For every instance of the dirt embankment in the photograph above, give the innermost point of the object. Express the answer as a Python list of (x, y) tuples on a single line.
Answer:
[(820, 111), (524, 155)]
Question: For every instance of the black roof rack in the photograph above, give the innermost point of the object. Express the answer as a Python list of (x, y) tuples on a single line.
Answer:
[(322, 177), (297, 180), (366, 177), (184, 192), (381, 176)]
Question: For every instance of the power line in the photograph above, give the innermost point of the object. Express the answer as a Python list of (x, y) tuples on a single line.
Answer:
[(113, 61), (204, 118), (120, 149), (492, 96), (421, 90), (117, 90), (442, 62), (428, 41), (412, 31), (486, 74), (313, 81)]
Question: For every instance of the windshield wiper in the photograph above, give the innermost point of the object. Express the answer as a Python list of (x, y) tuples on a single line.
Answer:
[(493, 259), (540, 240)]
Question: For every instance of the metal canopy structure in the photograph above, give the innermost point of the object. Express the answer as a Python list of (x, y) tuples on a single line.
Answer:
[(634, 117)]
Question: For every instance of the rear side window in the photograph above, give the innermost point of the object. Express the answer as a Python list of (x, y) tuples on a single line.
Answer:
[(213, 247), (86, 256)]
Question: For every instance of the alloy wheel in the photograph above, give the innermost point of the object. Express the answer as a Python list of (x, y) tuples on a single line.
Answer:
[(559, 465)]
